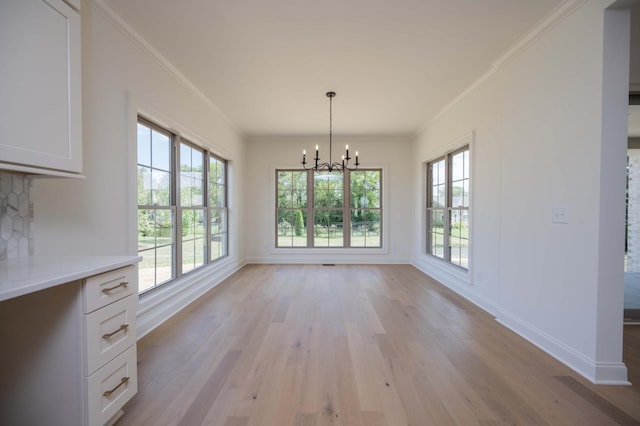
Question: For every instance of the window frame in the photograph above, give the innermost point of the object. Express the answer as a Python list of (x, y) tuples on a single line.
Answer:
[(175, 175), (448, 209), (310, 210)]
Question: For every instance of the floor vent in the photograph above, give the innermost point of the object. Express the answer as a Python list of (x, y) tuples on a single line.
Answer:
[(328, 264)]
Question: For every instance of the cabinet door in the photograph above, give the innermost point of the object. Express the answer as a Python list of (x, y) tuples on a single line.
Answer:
[(40, 100)]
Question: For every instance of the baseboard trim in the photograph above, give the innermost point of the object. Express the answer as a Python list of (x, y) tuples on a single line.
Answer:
[(600, 373), (158, 306)]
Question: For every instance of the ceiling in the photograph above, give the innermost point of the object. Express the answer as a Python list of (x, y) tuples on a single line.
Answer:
[(394, 64)]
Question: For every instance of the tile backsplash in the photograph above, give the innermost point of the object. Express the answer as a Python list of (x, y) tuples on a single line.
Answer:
[(16, 216)]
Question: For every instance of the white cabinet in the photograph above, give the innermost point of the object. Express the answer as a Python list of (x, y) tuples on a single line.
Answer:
[(68, 351), (40, 87), (111, 379)]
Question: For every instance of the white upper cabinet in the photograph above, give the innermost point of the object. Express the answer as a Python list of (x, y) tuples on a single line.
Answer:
[(40, 87)]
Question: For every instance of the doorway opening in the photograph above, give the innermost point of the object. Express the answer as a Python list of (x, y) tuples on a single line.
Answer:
[(632, 225)]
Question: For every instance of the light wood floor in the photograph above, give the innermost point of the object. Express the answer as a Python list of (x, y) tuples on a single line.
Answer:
[(357, 345)]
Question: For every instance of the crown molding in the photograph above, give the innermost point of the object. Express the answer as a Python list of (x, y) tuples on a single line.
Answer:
[(132, 35), (555, 17)]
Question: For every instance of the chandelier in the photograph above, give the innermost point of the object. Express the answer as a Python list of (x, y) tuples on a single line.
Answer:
[(328, 165)]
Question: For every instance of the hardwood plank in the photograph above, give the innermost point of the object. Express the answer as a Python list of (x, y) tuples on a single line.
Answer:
[(305, 419), (358, 345), (367, 397), (236, 421), (604, 406), (209, 392)]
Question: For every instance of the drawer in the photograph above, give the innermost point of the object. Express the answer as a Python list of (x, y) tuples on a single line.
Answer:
[(101, 290), (111, 387), (110, 330)]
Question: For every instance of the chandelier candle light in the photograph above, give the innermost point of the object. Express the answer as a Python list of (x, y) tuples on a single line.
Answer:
[(329, 166)]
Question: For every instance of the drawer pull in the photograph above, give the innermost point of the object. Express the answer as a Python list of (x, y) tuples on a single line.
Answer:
[(123, 381), (123, 327), (122, 284)]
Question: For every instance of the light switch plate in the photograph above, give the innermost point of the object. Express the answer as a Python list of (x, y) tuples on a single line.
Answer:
[(560, 215)]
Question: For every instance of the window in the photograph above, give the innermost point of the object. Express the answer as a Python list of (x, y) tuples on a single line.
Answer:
[(322, 209), (292, 209), (192, 212), (218, 207), (448, 208), (328, 212), (182, 206), (366, 211)]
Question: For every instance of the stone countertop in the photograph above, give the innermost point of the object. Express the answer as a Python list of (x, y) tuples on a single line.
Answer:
[(34, 273)]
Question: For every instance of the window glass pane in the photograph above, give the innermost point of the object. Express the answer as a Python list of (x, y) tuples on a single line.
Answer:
[(193, 239), (144, 185), (435, 196), (191, 176), (328, 189), (144, 145), (161, 188), (365, 189), (221, 173), (365, 228), (218, 233), (165, 228), (457, 166), (285, 228), (457, 194), (292, 231), (164, 267), (146, 229), (155, 239), (160, 151), (437, 232), (299, 199), (216, 195), (438, 245), (217, 225), (285, 199), (440, 172), (460, 237), (284, 180), (300, 181), (328, 228)]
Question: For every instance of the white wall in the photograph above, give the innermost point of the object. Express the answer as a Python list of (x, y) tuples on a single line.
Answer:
[(539, 143), (97, 215), (264, 155)]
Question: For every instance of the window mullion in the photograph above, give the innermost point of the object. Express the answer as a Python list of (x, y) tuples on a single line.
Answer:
[(346, 209), (310, 211), (206, 204), (449, 201), (177, 237), (429, 203)]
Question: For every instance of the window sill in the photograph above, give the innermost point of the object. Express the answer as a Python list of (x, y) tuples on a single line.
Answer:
[(329, 250)]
